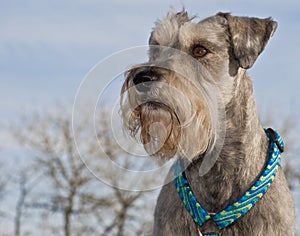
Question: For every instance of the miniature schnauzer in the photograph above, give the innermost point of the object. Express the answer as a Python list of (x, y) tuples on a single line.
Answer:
[(194, 100)]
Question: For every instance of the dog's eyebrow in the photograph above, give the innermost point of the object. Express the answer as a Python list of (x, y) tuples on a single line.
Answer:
[(153, 40), (207, 44)]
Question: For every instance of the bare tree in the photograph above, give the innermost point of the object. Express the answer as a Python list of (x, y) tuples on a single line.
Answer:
[(73, 191), (20, 204), (3, 183), (26, 182)]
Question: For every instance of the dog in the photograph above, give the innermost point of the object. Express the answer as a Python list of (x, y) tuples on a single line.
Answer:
[(194, 100)]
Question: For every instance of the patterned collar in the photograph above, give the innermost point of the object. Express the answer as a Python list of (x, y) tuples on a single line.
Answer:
[(242, 206)]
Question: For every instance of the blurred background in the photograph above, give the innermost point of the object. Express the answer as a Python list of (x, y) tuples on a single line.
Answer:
[(46, 50)]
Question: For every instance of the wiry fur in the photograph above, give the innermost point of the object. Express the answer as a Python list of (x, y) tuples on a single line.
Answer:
[(206, 107)]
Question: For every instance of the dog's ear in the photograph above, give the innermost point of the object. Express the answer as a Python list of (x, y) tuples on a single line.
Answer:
[(249, 36)]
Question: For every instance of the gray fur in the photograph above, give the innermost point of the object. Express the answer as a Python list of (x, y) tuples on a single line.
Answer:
[(234, 43)]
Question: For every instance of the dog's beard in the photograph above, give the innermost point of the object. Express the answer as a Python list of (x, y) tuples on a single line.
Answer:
[(163, 133), (160, 130), (173, 119)]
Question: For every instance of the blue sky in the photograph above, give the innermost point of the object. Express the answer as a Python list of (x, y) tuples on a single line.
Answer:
[(47, 47)]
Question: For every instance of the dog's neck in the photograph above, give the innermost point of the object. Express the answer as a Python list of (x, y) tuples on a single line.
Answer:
[(242, 156)]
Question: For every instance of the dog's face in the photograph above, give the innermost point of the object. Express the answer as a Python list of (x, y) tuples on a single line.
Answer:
[(174, 101)]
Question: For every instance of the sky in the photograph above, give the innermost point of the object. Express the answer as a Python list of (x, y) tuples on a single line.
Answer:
[(48, 47)]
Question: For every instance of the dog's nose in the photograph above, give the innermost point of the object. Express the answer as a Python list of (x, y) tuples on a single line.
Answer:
[(143, 80)]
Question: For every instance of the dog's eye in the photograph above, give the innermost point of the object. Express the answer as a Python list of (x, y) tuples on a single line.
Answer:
[(199, 51)]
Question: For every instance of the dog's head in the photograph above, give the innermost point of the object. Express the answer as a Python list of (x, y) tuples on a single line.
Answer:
[(175, 100)]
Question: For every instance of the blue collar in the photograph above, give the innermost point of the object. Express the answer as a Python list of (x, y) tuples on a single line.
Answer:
[(242, 206)]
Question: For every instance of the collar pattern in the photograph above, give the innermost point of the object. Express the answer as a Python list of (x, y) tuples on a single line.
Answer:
[(243, 205)]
